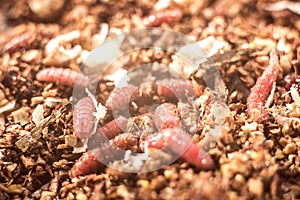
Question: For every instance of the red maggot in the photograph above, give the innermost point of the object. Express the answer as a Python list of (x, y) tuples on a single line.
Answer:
[(166, 16), (260, 91)]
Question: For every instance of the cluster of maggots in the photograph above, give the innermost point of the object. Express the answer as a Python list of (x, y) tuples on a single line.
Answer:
[(105, 141), (165, 119)]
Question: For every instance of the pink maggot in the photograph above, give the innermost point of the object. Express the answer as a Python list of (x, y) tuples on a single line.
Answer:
[(62, 76), (166, 16), (83, 118)]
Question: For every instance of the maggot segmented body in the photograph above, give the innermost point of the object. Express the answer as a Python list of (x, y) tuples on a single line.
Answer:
[(21, 38), (181, 143), (174, 88), (111, 129), (126, 141), (260, 91), (83, 118), (86, 164), (120, 97), (108, 131), (166, 118), (94, 160), (62, 76), (169, 88), (166, 16)]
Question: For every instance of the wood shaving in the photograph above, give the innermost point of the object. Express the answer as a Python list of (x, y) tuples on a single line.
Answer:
[(21, 116), (38, 114), (295, 94), (282, 5), (24, 142), (8, 107), (57, 54)]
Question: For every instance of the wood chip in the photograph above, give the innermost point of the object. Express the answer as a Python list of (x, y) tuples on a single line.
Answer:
[(21, 116)]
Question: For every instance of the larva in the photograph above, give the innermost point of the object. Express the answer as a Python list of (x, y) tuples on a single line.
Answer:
[(108, 131), (260, 91), (166, 116), (173, 137), (181, 143), (91, 161), (21, 38), (83, 118), (126, 141), (86, 164), (62, 76), (166, 16), (174, 88), (169, 88), (120, 97), (111, 129)]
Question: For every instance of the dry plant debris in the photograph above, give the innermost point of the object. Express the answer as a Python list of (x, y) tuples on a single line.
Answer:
[(43, 44)]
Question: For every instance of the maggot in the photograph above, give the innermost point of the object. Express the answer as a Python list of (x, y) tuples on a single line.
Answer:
[(62, 76), (83, 118), (260, 91), (166, 16)]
